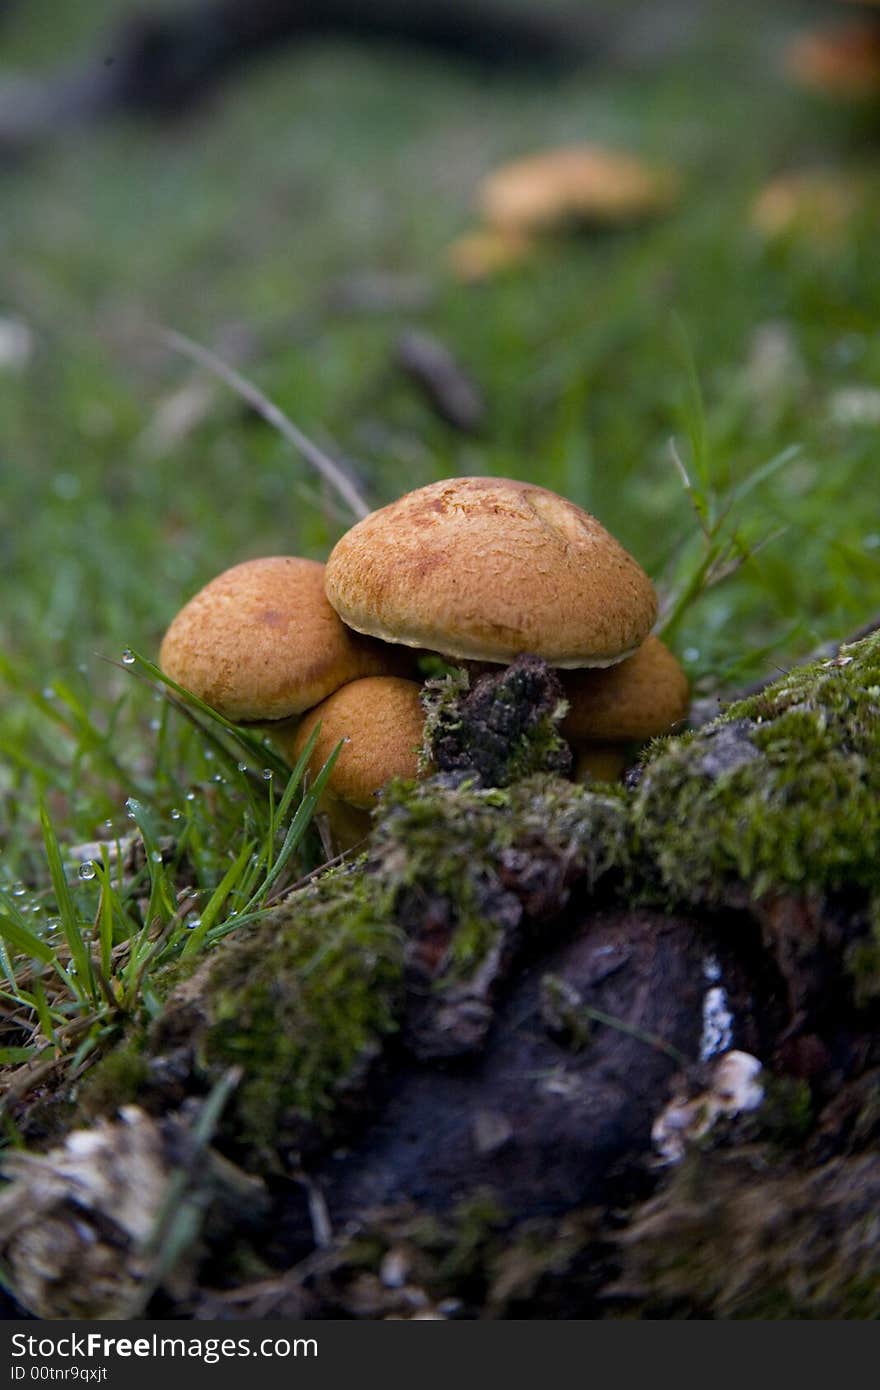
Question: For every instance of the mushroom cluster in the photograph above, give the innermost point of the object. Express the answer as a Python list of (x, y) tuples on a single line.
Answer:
[(477, 570)]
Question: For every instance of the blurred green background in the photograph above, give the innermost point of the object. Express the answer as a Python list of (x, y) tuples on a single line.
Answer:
[(127, 481)]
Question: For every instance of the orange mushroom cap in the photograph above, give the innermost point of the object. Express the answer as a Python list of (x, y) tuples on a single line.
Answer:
[(486, 569), (260, 642)]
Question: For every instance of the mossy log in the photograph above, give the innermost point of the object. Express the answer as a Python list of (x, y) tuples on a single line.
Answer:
[(454, 1059)]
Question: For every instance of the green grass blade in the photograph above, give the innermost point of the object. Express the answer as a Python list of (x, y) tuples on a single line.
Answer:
[(27, 943), (196, 937), (70, 924), (693, 409), (253, 746), (161, 897), (8, 967), (105, 915), (760, 475), (12, 1056), (298, 772), (42, 1010), (298, 826)]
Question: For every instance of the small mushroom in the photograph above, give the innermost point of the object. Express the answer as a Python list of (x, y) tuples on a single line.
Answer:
[(642, 697), (260, 643), (381, 720), (599, 762), (489, 251), (842, 62), (487, 569), (817, 205), (585, 185)]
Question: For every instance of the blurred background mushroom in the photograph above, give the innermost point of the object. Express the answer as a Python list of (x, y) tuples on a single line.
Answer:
[(582, 186), (575, 188), (840, 60), (485, 252), (817, 206)]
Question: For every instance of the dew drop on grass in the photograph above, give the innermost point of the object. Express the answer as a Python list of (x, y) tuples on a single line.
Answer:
[(192, 922), (48, 692), (691, 654), (218, 777), (190, 796), (128, 657), (156, 856), (18, 890), (87, 870), (267, 774), (242, 767), (108, 825), (175, 814), (155, 725)]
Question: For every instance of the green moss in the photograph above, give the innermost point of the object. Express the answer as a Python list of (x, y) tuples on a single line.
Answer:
[(444, 689), (304, 1002), (805, 1242), (500, 731), (118, 1079), (786, 1115), (783, 792), (302, 1005), (471, 848), (430, 830)]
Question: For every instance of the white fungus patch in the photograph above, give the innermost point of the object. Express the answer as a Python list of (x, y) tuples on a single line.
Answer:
[(734, 1088), (717, 1035)]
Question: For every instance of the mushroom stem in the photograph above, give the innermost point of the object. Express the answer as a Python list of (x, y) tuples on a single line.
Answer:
[(600, 762), (341, 827), (283, 733)]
